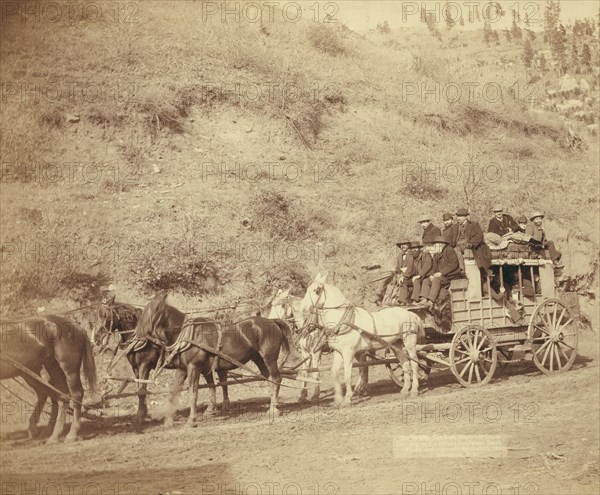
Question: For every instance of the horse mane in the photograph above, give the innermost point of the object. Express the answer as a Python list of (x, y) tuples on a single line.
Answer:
[(151, 315)]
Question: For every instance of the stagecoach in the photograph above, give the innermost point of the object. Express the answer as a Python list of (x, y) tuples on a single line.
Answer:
[(470, 331)]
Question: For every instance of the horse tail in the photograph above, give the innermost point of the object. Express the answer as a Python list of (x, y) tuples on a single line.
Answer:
[(89, 365), (286, 334)]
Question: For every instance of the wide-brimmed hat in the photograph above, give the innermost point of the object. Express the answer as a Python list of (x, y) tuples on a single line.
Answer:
[(416, 244), (497, 209), (447, 216), (424, 218), (462, 212), (402, 242), (536, 214), (522, 219), (441, 239)]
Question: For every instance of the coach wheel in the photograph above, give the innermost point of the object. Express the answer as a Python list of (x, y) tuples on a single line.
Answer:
[(554, 337), (394, 369), (473, 356)]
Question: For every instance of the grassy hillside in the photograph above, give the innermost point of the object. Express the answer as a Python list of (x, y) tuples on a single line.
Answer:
[(216, 159)]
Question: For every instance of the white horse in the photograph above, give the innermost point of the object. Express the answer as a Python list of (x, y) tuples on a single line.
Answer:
[(285, 306), (350, 330)]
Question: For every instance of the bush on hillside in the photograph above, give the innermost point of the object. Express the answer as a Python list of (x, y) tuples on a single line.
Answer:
[(325, 39)]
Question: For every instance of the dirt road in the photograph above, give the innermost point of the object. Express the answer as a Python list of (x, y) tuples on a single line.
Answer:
[(525, 433)]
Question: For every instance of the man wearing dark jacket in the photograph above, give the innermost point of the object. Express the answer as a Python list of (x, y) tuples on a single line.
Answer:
[(537, 232), (406, 287), (445, 267), (404, 262), (430, 231), (502, 223), (470, 236), (422, 270), (450, 230)]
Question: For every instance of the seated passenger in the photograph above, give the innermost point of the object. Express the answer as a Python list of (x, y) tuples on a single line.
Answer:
[(445, 268), (470, 236), (521, 224), (537, 232), (403, 262), (406, 286), (450, 230), (497, 291), (502, 223), (423, 265), (430, 231)]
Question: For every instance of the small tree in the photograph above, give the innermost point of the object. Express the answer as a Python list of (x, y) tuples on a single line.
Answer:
[(527, 54), (487, 33), (515, 31), (435, 32), (508, 35), (586, 57)]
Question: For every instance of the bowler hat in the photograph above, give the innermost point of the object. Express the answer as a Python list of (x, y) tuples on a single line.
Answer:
[(447, 216), (522, 219), (440, 238), (462, 212), (402, 242), (497, 209), (415, 244), (536, 215), (424, 218)]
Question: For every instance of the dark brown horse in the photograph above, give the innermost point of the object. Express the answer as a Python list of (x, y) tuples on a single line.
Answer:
[(114, 318), (254, 339), (61, 347)]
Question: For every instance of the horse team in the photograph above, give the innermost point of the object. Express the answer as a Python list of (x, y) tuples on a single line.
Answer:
[(165, 338)]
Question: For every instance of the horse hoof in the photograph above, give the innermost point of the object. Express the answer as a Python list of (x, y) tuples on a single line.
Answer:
[(404, 393), (210, 412), (52, 441), (168, 423), (33, 433), (191, 424), (414, 394), (70, 438)]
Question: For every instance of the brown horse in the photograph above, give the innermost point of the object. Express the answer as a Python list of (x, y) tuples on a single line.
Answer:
[(253, 339), (60, 346), (114, 318)]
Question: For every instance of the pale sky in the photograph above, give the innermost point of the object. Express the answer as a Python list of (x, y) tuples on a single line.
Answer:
[(365, 14)]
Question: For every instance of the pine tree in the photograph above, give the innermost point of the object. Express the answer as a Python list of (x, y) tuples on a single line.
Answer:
[(515, 31), (527, 54), (574, 57), (586, 57), (551, 18), (508, 35), (559, 47), (487, 33)]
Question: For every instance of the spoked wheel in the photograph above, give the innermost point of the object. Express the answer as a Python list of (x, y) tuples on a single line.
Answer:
[(473, 356), (554, 337)]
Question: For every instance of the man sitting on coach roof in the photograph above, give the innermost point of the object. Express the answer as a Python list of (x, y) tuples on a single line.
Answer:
[(430, 231), (537, 232), (470, 236), (404, 261), (445, 269), (450, 231), (502, 223)]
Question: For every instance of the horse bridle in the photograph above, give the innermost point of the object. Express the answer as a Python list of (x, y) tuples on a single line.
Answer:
[(346, 320)]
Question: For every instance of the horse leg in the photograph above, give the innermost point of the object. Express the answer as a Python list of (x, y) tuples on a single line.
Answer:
[(142, 371), (57, 380), (271, 371), (405, 364), (76, 392), (315, 361), (336, 369), (211, 410), (194, 374), (363, 377), (306, 365), (181, 375), (411, 350), (42, 396), (348, 358), (223, 379)]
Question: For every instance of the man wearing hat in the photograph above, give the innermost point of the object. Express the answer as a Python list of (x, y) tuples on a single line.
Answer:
[(502, 223), (537, 232), (430, 231), (445, 267), (470, 236), (521, 224), (404, 262), (422, 269), (406, 287), (450, 231)]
